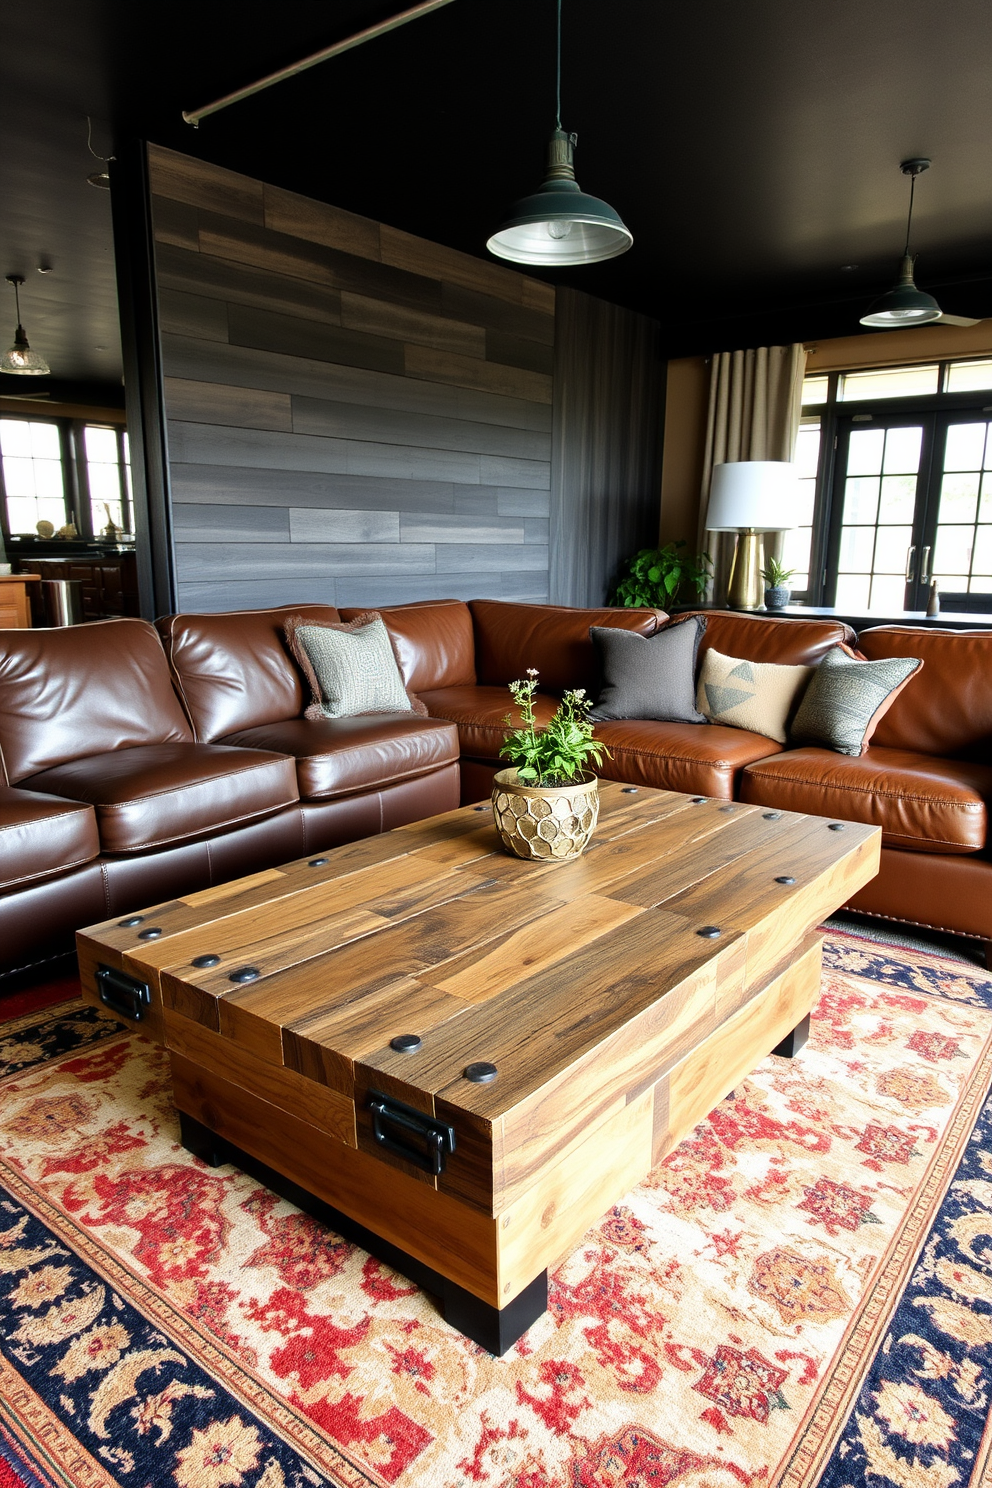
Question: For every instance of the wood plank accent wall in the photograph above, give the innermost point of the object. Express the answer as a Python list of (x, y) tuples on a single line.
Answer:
[(355, 415)]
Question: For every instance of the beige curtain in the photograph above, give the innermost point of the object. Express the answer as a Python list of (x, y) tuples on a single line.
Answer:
[(754, 410)]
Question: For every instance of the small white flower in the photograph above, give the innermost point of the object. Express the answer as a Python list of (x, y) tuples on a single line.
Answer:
[(532, 671)]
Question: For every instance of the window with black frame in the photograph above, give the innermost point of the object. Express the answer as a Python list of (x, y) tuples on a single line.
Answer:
[(60, 471), (903, 487)]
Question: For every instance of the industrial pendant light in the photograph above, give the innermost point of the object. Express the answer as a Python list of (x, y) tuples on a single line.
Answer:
[(20, 358), (904, 304), (559, 224)]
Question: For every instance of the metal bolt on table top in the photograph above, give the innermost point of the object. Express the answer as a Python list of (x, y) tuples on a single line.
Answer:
[(481, 1073)]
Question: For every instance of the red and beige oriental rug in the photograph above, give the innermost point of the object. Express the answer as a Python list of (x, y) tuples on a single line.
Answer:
[(801, 1294)]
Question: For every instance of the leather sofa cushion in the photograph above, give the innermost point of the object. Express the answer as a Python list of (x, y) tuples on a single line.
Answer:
[(700, 759), (43, 835), (158, 794), (234, 671), (949, 710), (81, 690), (768, 638), (480, 713), (433, 641), (509, 638), (337, 756), (921, 803)]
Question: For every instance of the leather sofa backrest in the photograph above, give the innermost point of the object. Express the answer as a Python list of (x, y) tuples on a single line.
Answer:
[(554, 639), (433, 640), (947, 709), (232, 670), (767, 638), (82, 690)]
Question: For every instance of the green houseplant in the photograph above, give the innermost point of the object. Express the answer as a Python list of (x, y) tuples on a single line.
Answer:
[(777, 591), (654, 577), (547, 803)]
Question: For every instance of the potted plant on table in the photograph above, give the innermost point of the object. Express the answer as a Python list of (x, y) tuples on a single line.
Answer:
[(547, 804), (777, 591)]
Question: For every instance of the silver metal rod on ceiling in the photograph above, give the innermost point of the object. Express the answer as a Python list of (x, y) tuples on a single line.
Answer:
[(360, 37)]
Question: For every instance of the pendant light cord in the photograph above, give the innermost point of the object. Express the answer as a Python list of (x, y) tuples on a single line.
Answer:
[(909, 219), (17, 301), (558, 77)]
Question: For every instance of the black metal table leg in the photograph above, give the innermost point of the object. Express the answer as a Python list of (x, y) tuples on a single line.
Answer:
[(793, 1041), (496, 1329)]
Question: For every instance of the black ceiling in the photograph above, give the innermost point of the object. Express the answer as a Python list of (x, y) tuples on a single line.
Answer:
[(752, 148)]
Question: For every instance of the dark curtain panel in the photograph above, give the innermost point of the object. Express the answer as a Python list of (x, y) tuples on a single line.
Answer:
[(606, 444)]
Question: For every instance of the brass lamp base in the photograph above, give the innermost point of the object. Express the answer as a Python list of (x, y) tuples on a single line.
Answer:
[(746, 590)]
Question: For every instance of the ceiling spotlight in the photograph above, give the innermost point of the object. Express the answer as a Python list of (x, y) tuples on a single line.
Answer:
[(558, 224), (20, 358), (904, 304)]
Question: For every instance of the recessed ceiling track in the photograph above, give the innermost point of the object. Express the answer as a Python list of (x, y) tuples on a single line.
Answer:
[(369, 34)]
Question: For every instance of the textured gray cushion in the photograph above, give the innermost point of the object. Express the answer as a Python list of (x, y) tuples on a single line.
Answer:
[(351, 667), (649, 676), (846, 697)]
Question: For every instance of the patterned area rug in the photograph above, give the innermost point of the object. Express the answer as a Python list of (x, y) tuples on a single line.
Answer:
[(801, 1294)]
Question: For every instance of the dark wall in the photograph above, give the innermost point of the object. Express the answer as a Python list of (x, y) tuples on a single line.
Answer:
[(606, 447), (356, 415)]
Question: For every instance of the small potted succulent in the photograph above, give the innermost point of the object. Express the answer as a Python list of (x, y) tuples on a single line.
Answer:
[(777, 591), (547, 804)]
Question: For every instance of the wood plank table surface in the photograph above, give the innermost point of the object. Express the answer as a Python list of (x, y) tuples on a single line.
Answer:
[(462, 1059)]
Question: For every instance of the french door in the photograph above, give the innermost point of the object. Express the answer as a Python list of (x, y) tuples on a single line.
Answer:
[(911, 502)]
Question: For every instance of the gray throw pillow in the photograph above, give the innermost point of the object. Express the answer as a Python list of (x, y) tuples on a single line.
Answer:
[(649, 676), (846, 698), (351, 667)]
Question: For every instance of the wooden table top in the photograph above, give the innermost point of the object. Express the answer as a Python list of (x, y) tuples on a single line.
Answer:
[(433, 930)]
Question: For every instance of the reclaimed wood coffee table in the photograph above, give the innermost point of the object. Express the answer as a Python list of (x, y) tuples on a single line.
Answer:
[(461, 1060)]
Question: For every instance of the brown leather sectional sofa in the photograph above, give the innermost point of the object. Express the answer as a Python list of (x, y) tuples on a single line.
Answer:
[(141, 763)]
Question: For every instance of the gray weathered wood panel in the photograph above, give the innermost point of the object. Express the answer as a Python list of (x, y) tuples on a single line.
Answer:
[(355, 416), (244, 367)]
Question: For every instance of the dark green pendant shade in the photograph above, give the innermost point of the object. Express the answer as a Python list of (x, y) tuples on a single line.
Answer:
[(904, 304), (559, 224)]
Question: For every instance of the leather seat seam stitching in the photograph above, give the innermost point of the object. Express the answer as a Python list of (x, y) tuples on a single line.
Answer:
[(863, 790), (195, 838), (49, 872), (379, 785), (173, 790)]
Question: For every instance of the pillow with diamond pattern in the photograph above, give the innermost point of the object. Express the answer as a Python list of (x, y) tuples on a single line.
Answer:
[(754, 695)]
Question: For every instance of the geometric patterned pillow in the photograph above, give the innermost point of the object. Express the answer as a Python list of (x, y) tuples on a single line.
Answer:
[(351, 667), (755, 695), (846, 699)]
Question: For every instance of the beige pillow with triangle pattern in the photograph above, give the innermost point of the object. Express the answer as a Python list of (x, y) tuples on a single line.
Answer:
[(753, 695)]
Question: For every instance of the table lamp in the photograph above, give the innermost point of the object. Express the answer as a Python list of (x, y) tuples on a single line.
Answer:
[(751, 497)]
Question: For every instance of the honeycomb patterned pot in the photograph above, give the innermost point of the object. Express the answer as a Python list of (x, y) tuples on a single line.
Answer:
[(544, 823)]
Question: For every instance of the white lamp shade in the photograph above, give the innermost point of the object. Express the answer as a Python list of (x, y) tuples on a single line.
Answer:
[(760, 494)]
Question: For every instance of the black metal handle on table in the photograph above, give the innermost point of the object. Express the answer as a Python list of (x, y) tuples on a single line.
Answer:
[(437, 1136), (122, 993)]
